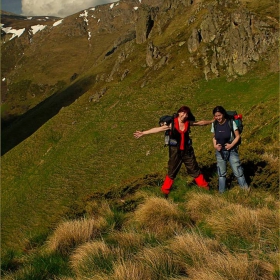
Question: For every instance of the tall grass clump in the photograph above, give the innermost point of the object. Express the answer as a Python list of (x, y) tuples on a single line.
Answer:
[(231, 267), (130, 242), (69, 234), (128, 270), (237, 225), (255, 199), (204, 258), (193, 250), (160, 263), (200, 205), (93, 258), (159, 216)]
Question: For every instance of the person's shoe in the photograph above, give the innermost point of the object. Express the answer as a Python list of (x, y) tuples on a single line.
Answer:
[(167, 184), (200, 182)]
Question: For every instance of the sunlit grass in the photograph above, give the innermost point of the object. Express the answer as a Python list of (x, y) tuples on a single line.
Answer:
[(157, 241), (93, 258), (69, 234), (160, 216)]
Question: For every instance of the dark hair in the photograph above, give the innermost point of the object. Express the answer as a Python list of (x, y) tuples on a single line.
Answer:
[(221, 110), (187, 110)]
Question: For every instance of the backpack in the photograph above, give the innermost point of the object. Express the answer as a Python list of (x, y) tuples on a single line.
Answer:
[(167, 120), (233, 117)]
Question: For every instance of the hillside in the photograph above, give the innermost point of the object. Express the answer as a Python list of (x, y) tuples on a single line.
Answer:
[(73, 99)]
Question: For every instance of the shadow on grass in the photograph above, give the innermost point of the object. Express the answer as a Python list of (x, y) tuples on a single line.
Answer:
[(25, 125), (258, 174)]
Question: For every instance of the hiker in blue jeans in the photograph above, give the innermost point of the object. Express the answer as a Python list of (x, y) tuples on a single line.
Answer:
[(225, 141)]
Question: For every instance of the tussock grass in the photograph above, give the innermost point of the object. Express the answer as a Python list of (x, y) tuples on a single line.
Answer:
[(255, 227), (130, 270), (271, 158), (158, 243), (205, 258), (254, 199), (93, 258), (201, 205), (159, 216), (230, 267), (193, 249), (130, 242), (160, 263), (69, 234), (98, 208)]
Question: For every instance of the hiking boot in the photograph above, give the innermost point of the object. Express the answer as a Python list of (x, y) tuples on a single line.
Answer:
[(200, 182)]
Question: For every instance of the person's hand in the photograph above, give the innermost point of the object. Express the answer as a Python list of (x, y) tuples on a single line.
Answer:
[(138, 134), (228, 146), (218, 147)]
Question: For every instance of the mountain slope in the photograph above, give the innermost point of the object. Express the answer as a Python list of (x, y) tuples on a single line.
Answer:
[(79, 140)]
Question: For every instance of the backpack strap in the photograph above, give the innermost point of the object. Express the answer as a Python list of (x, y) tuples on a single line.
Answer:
[(215, 125), (230, 123)]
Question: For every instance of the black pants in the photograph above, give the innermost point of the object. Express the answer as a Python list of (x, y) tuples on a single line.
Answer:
[(177, 157)]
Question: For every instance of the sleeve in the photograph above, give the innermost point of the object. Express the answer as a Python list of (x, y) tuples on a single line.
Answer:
[(212, 128), (234, 126)]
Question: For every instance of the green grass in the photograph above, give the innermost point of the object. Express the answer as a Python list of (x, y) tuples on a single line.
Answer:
[(155, 254), (90, 147), (86, 152)]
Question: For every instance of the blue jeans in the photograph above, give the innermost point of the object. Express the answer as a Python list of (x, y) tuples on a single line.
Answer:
[(232, 156)]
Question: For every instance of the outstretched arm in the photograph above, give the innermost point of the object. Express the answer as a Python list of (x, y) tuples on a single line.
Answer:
[(138, 133), (201, 123)]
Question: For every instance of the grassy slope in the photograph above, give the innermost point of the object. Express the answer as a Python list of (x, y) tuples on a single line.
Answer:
[(89, 147)]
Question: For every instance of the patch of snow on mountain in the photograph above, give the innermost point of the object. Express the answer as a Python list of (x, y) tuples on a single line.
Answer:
[(58, 22), (15, 32), (84, 15), (37, 28)]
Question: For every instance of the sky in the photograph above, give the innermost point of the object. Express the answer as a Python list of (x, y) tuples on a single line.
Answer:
[(59, 8)]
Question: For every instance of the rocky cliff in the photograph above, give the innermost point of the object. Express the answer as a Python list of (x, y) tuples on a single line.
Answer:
[(217, 37)]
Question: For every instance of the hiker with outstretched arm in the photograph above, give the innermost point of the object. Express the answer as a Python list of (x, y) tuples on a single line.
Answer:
[(226, 138), (180, 147)]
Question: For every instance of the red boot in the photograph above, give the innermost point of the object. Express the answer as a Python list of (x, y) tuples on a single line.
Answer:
[(200, 181), (167, 184)]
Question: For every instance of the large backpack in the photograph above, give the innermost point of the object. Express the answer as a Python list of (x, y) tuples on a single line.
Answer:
[(233, 117), (167, 120)]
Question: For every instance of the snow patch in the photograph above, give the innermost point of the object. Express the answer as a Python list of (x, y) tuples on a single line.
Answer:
[(84, 15), (37, 28), (58, 22), (15, 32)]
